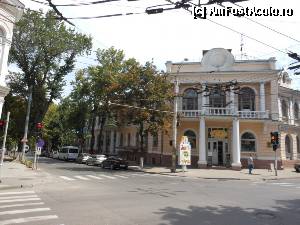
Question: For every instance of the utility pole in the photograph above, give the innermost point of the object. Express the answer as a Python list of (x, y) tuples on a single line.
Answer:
[(3, 146), (174, 142), (26, 123)]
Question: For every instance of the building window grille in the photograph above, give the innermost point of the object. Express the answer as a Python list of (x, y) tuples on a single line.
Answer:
[(248, 142), (247, 99), (191, 137), (190, 100)]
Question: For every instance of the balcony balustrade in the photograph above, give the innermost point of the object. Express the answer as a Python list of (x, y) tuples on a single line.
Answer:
[(209, 111)]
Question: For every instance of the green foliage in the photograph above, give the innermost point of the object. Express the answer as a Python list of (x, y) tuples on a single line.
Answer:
[(44, 49)]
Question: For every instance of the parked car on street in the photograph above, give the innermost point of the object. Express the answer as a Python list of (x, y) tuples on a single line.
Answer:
[(82, 157), (114, 162), (95, 160), (297, 167), (55, 154)]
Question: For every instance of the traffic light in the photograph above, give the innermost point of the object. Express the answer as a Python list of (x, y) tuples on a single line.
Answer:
[(275, 140), (2, 123), (39, 126)]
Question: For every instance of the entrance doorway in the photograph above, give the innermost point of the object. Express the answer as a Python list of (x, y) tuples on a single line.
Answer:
[(217, 152)]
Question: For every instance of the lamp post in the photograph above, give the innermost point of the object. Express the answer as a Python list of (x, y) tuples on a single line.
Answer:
[(174, 141)]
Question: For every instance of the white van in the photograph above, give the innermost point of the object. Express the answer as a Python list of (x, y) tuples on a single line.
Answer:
[(68, 153)]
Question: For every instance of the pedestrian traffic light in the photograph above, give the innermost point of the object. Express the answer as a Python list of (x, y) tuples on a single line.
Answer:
[(275, 140), (39, 125)]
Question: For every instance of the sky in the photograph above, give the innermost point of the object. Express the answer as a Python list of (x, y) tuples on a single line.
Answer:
[(174, 34)]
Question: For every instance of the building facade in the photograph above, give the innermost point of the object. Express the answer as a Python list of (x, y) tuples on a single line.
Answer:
[(10, 12), (223, 126)]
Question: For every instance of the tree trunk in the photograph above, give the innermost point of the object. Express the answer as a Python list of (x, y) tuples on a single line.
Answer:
[(93, 134), (100, 145)]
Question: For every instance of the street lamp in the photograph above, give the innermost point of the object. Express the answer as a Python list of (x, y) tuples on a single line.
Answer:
[(174, 142)]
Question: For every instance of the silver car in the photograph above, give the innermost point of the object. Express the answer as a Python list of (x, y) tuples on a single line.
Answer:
[(95, 160)]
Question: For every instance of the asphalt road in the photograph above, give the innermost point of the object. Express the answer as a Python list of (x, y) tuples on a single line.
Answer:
[(76, 194)]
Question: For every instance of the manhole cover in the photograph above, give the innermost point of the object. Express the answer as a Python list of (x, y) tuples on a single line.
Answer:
[(265, 215)]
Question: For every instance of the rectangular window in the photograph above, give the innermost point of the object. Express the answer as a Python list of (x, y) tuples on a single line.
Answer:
[(128, 139), (121, 140), (155, 140)]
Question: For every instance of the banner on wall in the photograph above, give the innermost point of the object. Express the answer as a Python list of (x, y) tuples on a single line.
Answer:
[(184, 152)]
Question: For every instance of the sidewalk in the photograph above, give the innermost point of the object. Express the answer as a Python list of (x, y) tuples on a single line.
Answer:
[(16, 175), (258, 174)]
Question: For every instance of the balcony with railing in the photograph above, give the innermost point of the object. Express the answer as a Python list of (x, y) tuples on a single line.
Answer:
[(223, 112)]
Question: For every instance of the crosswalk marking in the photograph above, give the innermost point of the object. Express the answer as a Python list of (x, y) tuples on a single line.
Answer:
[(66, 178), (12, 212), (120, 176), (280, 183), (19, 192), (21, 205), (20, 200), (27, 219), (287, 185), (18, 197), (94, 177), (82, 177), (109, 177)]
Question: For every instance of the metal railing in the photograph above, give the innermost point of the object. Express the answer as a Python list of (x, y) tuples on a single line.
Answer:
[(209, 111)]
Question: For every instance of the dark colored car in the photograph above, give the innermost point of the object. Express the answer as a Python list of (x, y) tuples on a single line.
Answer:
[(297, 167), (113, 162)]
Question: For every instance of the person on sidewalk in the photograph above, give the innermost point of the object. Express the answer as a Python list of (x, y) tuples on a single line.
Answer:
[(250, 164)]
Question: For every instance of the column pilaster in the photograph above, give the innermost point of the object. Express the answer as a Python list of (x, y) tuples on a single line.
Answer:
[(202, 163), (236, 145)]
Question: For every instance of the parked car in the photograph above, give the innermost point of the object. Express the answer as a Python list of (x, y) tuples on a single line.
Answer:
[(55, 154), (82, 157), (96, 160), (297, 167), (114, 162)]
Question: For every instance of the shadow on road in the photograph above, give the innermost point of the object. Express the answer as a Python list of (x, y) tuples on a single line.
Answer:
[(286, 212)]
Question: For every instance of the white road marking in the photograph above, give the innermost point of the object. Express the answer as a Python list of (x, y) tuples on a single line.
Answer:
[(20, 200), (19, 192), (287, 185), (82, 178), (12, 212), (280, 183), (66, 178), (18, 197), (120, 176), (94, 177), (109, 177), (27, 219), (21, 205)]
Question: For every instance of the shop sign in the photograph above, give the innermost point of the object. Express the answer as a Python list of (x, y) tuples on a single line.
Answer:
[(184, 152), (218, 134)]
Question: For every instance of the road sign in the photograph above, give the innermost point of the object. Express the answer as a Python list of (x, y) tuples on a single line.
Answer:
[(40, 143), (26, 148), (38, 151)]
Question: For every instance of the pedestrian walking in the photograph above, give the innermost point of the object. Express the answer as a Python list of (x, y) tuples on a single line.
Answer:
[(250, 164)]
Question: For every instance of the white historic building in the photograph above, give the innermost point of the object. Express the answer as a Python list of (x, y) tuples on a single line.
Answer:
[(10, 12)]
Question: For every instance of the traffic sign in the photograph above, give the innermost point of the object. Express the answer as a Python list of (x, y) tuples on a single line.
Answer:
[(40, 143), (38, 151), (26, 148)]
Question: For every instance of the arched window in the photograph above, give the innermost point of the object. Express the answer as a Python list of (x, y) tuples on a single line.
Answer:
[(296, 111), (190, 100), (288, 147), (248, 142), (191, 137), (217, 99), (247, 99), (284, 109)]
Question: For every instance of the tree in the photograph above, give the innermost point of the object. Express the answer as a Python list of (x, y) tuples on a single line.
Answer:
[(44, 49), (151, 94)]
